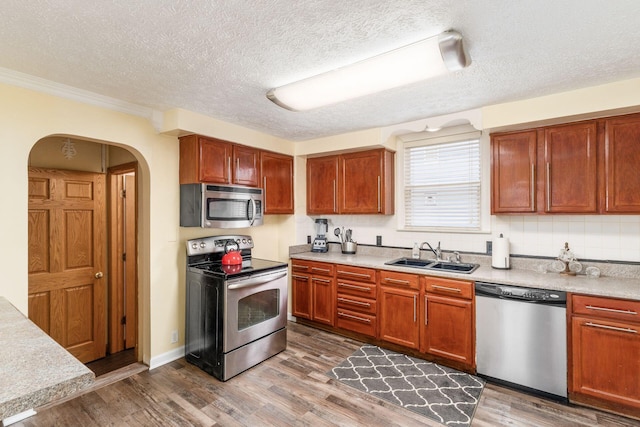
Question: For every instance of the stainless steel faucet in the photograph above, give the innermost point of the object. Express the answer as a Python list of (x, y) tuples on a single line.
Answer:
[(437, 252)]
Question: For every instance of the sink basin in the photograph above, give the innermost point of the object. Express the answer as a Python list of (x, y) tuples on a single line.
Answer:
[(453, 267), (409, 262)]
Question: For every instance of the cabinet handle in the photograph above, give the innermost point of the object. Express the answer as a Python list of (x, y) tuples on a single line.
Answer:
[(350, 301), (400, 282), (264, 188), (613, 328), (415, 306), (324, 270), (334, 196), (229, 169), (378, 193), (611, 310), (295, 276), (533, 187), (360, 288), (362, 319), (426, 319), (348, 273), (306, 267), (445, 288), (315, 279), (548, 187)]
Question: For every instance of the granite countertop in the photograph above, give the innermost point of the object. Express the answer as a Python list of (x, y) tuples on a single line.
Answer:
[(523, 273), (34, 369)]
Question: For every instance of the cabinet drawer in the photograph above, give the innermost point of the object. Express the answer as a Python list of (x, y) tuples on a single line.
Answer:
[(357, 322), (449, 287), (315, 268), (607, 308), (365, 290), (403, 280), (363, 305), (359, 274)]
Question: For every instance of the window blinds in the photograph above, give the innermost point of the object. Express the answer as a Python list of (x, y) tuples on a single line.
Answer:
[(442, 183)]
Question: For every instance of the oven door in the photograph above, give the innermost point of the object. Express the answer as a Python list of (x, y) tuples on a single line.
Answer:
[(256, 306)]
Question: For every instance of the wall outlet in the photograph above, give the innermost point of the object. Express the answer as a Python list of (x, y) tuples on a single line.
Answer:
[(489, 247), (378, 240), (174, 337)]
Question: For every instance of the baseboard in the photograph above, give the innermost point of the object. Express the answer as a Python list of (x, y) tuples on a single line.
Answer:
[(167, 357)]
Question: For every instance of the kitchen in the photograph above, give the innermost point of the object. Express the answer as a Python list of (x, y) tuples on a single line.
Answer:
[(29, 115)]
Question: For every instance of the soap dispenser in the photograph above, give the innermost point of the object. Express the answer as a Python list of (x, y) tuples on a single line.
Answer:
[(415, 253)]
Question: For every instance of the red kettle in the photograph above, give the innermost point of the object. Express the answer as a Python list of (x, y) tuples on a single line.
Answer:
[(232, 257)]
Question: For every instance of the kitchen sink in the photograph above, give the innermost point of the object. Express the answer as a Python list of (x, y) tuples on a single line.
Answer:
[(453, 267)]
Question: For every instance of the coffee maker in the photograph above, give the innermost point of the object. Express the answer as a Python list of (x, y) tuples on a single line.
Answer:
[(320, 241)]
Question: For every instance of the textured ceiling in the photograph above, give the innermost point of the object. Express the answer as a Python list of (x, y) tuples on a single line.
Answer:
[(219, 58)]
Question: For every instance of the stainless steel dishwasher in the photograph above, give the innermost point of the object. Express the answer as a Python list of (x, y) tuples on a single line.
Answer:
[(521, 337)]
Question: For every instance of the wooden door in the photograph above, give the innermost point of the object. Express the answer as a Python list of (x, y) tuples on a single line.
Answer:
[(322, 185), (215, 161), (448, 329), (123, 284), (360, 183), (513, 172), (246, 166), (301, 296), (67, 243), (277, 183), (398, 316), (622, 157), (570, 176), (324, 300)]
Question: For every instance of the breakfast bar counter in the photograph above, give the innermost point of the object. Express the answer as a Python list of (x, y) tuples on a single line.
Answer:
[(34, 369)]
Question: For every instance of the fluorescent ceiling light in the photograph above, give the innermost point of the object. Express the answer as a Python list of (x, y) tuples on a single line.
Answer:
[(415, 62)]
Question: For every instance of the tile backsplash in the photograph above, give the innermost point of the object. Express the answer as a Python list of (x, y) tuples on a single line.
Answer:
[(595, 237)]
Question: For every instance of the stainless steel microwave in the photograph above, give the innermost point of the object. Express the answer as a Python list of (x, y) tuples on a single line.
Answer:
[(220, 206)]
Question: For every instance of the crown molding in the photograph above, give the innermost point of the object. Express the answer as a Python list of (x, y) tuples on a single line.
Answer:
[(27, 81)]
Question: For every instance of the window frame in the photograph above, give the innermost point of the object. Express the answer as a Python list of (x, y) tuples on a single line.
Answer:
[(446, 135)]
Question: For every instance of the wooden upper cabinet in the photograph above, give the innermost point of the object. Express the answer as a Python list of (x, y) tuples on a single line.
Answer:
[(205, 160), (570, 169), (621, 158), (246, 166), (322, 185), (277, 182), (513, 171)]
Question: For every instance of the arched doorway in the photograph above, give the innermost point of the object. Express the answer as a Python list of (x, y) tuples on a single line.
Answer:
[(82, 287)]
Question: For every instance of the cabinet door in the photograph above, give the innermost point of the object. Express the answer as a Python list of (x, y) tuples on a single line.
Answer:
[(361, 183), (246, 166), (301, 296), (622, 157), (277, 183), (398, 316), (324, 299), (322, 185), (570, 175), (513, 172), (215, 161), (606, 361), (447, 330)]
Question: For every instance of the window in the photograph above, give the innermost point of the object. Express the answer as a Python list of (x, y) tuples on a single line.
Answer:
[(442, 183)]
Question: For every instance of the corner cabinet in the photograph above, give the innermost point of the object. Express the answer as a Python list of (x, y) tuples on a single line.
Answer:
[(604, 358), (352, 183), (277, 182), (448, 320)]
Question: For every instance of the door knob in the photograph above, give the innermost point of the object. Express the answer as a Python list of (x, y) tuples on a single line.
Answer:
[(99, 275)]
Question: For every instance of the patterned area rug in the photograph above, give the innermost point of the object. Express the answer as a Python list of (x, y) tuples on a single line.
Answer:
[(440, 393)]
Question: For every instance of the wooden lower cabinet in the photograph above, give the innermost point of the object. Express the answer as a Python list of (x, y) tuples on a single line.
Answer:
[(448, 321), (398, 297), (357, 305), (604, 359), (313, 291)]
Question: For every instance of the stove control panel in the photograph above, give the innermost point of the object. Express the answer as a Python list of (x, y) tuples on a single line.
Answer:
[(214, 244)]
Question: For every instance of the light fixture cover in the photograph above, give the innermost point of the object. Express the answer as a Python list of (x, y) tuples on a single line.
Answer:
[(409, 64)]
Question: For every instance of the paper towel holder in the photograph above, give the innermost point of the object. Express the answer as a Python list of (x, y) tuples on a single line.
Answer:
[(500, 254)]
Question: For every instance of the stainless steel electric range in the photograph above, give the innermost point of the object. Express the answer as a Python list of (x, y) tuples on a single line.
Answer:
[(236, 315)]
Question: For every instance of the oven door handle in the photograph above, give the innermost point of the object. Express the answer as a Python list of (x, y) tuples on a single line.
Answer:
[(257, 281)]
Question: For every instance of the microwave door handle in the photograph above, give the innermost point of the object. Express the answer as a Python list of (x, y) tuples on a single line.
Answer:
[(253, 210)]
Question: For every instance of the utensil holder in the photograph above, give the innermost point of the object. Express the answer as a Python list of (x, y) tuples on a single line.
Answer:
[(349, 248)]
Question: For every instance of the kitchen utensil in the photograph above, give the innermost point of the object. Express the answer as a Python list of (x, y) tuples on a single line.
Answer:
[(338, 234), (232, 258), (348, 235)]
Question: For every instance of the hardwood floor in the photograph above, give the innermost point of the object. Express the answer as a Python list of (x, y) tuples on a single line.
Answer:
[(112, 362), (290, 389)]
